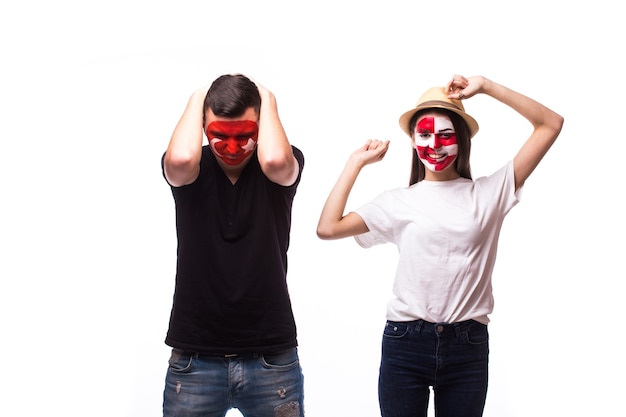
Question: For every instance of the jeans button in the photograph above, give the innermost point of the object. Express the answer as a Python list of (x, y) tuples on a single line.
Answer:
[(439, 329)]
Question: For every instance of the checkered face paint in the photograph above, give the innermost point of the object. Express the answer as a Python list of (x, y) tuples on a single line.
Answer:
[(435, 142)]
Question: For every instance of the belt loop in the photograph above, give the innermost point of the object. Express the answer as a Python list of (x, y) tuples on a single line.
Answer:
[(461, 327), (418, 325), (458, 331)]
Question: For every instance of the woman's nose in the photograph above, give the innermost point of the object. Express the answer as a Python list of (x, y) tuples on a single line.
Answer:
[(435, 142)]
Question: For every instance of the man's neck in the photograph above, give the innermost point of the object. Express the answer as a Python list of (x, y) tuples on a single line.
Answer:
[(233, 172)]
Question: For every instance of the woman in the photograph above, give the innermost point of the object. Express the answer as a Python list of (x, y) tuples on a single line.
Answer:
[(446, 227)]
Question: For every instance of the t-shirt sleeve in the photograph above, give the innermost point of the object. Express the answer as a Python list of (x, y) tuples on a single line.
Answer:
[(297, 153), (375, 214), (501, 184)]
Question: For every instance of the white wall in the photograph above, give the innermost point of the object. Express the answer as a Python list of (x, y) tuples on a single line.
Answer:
[(90, 93)]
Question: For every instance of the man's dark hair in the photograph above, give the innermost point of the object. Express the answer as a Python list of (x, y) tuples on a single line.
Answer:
[(462, 162), (231, 95)]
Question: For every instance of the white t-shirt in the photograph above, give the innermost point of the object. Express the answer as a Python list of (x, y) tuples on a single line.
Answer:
[(447, 235)]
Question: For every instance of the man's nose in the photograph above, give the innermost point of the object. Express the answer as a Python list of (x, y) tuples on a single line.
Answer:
[(232, 146)]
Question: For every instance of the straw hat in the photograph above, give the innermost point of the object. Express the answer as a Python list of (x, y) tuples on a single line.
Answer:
[(436, 97)]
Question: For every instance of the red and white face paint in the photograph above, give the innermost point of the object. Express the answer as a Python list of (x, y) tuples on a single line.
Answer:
[(435, 142), (232, 141)]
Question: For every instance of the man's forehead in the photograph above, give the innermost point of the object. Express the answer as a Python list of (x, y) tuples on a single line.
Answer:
[(232, 126)]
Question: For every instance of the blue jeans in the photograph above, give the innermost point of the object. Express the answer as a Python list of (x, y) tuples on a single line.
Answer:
[(269, 385), (451, 358)]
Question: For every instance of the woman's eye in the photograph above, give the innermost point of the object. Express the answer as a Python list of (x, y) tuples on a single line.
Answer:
[(424, 135)]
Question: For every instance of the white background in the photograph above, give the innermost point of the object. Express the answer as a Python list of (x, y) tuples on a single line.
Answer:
[(91, 91)]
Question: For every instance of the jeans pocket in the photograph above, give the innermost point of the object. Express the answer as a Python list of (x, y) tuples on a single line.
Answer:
[(180, 361), (285, 359), (476, 334), (396, 330)]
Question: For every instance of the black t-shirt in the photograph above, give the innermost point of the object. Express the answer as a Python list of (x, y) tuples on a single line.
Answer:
[(231, 292)]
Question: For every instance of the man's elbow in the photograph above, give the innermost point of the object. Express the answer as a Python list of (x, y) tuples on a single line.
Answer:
[(180, 170), (277, 162), (283, 171)]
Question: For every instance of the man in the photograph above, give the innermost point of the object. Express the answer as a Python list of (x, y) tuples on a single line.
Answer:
[(232, 330)]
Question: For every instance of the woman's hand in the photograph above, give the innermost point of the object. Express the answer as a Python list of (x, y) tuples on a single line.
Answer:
[(460, 87), (373, 150)]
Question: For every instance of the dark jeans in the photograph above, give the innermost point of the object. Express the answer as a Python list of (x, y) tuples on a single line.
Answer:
[(451, 358), (257, 385)]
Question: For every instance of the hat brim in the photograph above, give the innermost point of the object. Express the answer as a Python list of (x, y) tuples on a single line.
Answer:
[(472, 124)]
